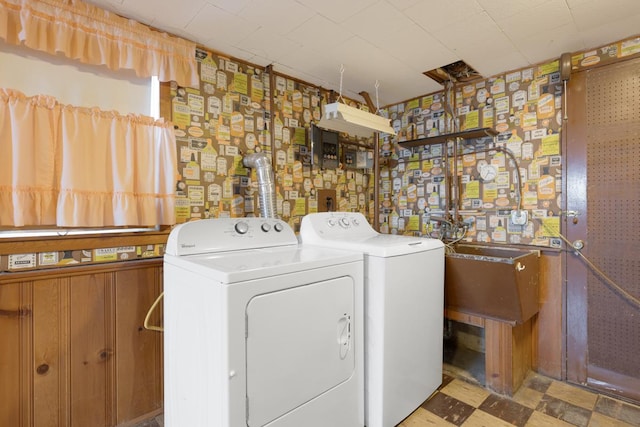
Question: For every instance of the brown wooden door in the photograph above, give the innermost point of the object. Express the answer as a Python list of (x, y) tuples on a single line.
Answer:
[(603, 188)]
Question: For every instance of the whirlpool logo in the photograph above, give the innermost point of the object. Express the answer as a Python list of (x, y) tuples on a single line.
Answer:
[(187, 245)]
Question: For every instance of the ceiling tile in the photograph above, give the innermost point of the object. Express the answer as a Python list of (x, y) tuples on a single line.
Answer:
[(500, 9), (319, 33), (231, 6), (607, 32), (402, 4), (164, 12), (279, 16), (406, 85), (416, 48), (245, 55), (484, 37), (392, 41), (536, 20), (267, 45), (489, 65), (551, 44), (217, 28), (591, 13), (337, 10), (312, 63), (438, 15), (363, 23)]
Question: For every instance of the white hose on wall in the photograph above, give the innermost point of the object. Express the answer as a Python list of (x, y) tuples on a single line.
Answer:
[(266, 183)]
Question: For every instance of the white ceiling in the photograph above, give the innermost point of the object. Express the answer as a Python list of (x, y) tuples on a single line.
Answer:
[(389, 41)]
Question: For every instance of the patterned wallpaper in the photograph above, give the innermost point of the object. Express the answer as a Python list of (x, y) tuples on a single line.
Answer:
[(229, 116), (525, 107)]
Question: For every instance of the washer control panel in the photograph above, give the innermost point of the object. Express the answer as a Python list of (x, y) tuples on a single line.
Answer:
[(337, 225)]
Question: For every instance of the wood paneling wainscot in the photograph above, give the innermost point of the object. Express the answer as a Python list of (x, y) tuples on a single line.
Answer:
[(74, 349)]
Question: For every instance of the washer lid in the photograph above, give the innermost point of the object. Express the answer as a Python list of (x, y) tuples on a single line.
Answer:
[(351, 231), (238, 266), (382, 245)]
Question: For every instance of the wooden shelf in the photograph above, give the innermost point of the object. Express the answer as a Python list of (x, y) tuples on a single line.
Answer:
[(467, 134)]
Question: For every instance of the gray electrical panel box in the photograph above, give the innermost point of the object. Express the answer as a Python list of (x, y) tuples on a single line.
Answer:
[(324, 148)]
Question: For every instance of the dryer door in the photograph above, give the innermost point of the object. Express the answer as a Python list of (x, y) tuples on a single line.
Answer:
[(299, 345)]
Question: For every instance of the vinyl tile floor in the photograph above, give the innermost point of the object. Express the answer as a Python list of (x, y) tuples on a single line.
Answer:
[(539, 402)]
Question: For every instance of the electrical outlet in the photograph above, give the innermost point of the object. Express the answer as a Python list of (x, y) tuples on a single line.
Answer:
[(327, 201), (519, 217)]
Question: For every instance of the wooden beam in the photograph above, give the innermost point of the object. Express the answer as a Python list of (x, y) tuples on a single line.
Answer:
[(368, 101)]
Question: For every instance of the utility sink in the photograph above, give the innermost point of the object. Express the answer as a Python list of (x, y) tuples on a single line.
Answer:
[(494, 282)]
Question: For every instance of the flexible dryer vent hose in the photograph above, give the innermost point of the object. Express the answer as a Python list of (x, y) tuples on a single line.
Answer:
[(266, 183)]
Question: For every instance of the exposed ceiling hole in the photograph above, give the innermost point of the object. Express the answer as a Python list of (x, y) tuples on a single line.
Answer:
[(458, 71)]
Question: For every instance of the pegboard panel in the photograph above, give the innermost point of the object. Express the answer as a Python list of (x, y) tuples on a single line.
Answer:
[(613, 223), (613, 102)]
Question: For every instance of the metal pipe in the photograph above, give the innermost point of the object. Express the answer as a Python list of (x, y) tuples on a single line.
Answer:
[(515, 162), (447, 188), (271, 133), (376, 183), (266, 184), (455, 191), (506, 151)]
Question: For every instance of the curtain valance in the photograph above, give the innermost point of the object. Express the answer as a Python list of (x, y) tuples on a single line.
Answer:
[(95, 36)]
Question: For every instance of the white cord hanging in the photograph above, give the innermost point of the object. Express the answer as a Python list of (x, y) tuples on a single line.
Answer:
[(342, 117), (377, 101), (341, 73)]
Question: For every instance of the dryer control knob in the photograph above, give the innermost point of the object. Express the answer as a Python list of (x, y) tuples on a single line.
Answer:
[(344, 222), (278, 227), (331, 222), (265, 227), (242, 227)]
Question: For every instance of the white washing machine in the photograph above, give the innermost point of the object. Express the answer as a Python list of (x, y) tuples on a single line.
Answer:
[(404, 304), (259, 330)]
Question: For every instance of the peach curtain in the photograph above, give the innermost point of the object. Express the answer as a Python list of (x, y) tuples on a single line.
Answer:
[(10, 20), (95, 36), (28, 151), (82, 167)]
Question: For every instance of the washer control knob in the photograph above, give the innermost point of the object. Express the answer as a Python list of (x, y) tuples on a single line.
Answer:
[(344, 222), (242, 227), (278, 227), (331, 222), (265, 227), (356, 222)]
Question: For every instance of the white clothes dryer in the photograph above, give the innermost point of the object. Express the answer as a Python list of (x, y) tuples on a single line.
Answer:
[(260, 331), (404, 311)]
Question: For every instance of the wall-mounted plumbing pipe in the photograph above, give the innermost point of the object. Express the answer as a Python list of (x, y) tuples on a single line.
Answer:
[(508, 153), (376, 183)]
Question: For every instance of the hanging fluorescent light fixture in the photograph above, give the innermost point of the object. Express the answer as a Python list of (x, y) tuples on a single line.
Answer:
[(354, 121)]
